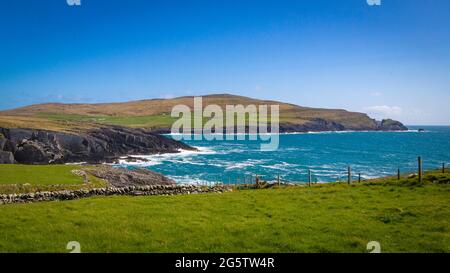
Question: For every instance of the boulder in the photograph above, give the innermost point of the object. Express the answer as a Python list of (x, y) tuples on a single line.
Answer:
[(32, 153), (120, 177), (8, 146), (2, 142), (6, 157)]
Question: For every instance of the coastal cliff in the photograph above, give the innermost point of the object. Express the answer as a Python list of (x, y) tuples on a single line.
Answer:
[(319, 125), (95, 133), (106, 144)]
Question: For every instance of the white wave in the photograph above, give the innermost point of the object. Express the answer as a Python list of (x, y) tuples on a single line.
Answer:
[(156, 159), (200, 151), (139, 163), (189, 161), (284, 166), (76, 163), (240, 165), (187, 179), (243, 165), (218, 163), (351, 131)]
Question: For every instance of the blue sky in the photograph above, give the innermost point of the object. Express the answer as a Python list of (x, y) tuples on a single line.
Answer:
[(391, 60)]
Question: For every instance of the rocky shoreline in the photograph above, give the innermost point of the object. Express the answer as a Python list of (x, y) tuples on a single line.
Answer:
[(318, 125), (122, 177), (109, 143), (147, 190), (104, 145)]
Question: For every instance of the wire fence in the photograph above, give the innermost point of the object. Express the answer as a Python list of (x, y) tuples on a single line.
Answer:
[(348, 175)]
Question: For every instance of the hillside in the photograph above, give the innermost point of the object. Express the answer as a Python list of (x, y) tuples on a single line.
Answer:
[(155, 114)]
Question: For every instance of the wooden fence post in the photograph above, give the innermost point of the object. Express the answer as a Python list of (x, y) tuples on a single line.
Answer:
[(359, 178), (443, 167), (278, 178), (349, 181), (309, 177), (398, 174), (420, 169)]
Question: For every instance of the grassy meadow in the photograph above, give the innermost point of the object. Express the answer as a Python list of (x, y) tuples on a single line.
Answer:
[(153, 121), (404, 216), (15, 178), (38, 174)]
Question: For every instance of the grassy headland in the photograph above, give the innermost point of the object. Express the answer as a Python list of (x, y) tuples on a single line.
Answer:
[(156, 114), (403, 216)]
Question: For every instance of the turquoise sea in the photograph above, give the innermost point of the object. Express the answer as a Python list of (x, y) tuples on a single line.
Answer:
[(327, 155)]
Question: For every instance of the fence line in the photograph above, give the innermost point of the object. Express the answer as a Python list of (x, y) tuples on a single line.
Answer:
[(278, 180)]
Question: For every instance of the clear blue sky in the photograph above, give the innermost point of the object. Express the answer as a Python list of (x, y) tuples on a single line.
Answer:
[(389, 60)]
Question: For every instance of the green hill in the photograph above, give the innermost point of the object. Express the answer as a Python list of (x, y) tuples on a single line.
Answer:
[(155, 114)]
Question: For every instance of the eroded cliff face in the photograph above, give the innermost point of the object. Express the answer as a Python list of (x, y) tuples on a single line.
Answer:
[(28, 146), (317, 125), (391, 125), (322, 125)]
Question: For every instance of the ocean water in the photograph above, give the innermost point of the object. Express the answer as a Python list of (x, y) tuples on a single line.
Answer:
[(327, 155)]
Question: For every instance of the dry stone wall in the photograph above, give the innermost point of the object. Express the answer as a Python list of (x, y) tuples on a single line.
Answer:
[(130, 190)]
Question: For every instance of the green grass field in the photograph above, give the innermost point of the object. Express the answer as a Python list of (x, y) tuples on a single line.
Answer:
[(38, 174), (31, 178), (154, 121), (402, 216)]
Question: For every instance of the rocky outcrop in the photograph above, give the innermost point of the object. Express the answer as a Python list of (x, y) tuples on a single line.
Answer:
[(6, 158), (130, 190), (316, 125), (120, 177), (321, 125), (2, 142), (391, 125), (29, 146)]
